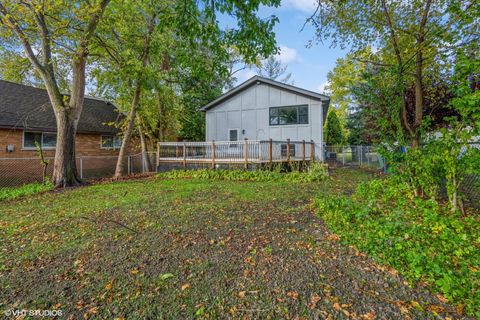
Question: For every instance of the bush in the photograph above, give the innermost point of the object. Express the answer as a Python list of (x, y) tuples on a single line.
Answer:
[(315, 173), (25, 190), (420, 238)]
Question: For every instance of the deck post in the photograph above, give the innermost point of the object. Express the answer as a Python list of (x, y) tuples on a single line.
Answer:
[(288, 152), (246, 154), (303, 150), (303, 154), (184, 156), (158, 155), (312, 151), (213, 154), (270, 152)]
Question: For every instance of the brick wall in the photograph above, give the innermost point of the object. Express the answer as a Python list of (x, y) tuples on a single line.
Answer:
[(86, 145), (23, 166)]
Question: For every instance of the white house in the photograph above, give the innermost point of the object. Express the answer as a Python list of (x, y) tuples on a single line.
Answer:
[(262, 109)]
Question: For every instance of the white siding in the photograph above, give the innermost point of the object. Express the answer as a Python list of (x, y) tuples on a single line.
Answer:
[(249, 111)]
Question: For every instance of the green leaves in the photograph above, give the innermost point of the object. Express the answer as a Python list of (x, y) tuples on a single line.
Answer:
[(420, 238)]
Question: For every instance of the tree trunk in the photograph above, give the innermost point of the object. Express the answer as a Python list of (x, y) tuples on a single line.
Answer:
[(120, 169), (65, 168), (419, 97)]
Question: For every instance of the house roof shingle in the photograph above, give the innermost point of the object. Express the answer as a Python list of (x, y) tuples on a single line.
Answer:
[(26, 107)]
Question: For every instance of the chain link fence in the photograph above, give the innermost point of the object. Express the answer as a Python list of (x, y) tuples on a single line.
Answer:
[(366, 156), (20, 171)]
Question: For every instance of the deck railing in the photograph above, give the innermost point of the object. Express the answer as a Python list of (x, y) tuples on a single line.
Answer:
[(235, 152)]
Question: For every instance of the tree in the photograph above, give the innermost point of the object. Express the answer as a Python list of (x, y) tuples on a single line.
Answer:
[(152, 46), (415, 40), (52, 33), (333, 131), (272, 68)]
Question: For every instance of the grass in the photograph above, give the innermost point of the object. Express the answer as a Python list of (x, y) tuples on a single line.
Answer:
[(23, 191), (190, 248)]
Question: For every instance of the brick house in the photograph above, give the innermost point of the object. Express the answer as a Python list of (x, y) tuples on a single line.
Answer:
[(26, 117)]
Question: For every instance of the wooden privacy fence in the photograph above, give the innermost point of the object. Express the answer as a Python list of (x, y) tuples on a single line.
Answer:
[(235, 152)]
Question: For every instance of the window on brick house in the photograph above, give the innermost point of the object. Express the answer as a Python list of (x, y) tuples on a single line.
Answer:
[(47, 140), (111, 142)]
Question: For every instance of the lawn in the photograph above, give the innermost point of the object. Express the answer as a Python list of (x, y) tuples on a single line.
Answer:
[(189, 248)]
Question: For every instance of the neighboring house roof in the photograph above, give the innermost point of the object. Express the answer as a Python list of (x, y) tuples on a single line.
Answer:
[(257, 80), (29, 108)]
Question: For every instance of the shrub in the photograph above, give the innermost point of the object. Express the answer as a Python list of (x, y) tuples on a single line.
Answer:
[(25, 190), (315, 173), (420, 238)]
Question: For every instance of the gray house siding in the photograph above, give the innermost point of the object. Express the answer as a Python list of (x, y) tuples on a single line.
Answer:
[(248, 112)]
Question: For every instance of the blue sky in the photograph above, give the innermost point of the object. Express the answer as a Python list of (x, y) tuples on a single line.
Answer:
[(309, 66)]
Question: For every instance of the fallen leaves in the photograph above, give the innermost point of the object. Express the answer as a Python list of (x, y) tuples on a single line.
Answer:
[(293, 295), (185, 286), (314, 299)]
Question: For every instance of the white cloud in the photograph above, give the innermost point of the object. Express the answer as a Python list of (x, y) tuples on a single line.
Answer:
[(322, 87), (306, 6), (287, 55)]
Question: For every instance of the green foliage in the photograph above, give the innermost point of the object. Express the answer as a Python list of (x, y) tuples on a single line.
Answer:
[(333, 130), (315, 174), (418, 237), (23, 191)]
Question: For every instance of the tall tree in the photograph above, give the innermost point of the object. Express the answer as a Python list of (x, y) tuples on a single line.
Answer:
[(51, 32), (272, 68), (415, 38), (333, 131)]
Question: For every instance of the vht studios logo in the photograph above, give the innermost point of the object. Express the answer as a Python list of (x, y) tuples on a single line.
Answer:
[(33, 313)]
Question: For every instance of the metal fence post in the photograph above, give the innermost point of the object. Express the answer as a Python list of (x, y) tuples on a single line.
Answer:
[(343, 155), (81, 168), (143, 162), (360, 148), (368, 158), (129, 169)]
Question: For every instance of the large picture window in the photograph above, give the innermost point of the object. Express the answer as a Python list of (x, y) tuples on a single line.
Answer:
[(46, 140), (111, 142), (289, 115)]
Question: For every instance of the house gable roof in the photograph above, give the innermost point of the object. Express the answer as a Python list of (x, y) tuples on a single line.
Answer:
[(28, 108), (257, 80)]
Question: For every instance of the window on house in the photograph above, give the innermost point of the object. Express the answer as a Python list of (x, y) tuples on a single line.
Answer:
[(289, 115), (111, 142), (46, 140), (233, 135)]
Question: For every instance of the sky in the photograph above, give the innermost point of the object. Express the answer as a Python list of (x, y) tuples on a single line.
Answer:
[(308, 66)]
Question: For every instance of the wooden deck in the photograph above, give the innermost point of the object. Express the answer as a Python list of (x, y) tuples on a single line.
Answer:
[(235, 152)]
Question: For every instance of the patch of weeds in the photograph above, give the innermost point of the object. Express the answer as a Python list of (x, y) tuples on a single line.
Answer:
[(23, 191), (420, 238), (316, 172)]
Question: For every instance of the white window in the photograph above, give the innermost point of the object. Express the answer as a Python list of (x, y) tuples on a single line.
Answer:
[(289, 115), (46, 140), (111, 142)]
